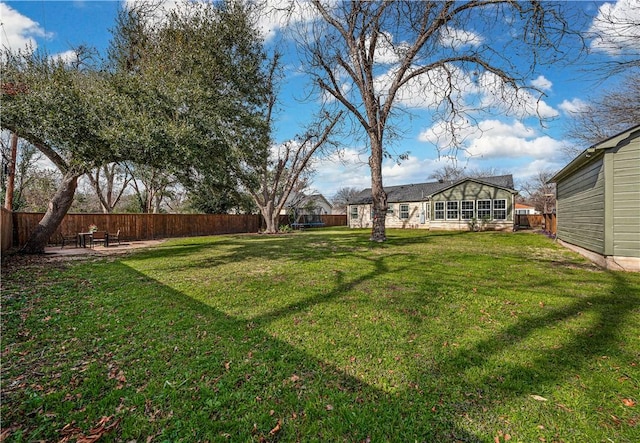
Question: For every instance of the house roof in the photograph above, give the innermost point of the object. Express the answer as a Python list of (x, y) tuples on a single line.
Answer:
[(300, 200), (523, 206), (422, 191), (590, 154)]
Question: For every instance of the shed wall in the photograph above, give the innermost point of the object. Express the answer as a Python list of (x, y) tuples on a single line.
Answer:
[(626, 200), (580, 207)]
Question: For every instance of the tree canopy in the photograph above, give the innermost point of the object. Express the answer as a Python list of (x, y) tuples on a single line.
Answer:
[(183, 93)]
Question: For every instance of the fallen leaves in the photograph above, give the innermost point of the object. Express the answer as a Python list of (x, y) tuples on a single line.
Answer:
[(628, 402), (537, 397), (72, 432), (277, 428)]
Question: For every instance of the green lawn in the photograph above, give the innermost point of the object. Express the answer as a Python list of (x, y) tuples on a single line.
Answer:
[(324, 336)]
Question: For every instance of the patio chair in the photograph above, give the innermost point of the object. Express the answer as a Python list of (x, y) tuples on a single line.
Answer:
[(68, 239), (99, 237), (115, 237)]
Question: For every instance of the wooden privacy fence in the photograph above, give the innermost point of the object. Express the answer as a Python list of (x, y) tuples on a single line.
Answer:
[(141, 226), (529, 220), (546, 222), (550, 223), (6, 234)]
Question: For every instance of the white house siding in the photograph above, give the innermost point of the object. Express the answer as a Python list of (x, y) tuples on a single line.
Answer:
[(580, 208), (393, 220), (626, 200)]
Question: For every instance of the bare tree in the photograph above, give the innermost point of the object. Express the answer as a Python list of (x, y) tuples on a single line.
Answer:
[(615, 31), (370, 58), (608, 114), (286, 169), (539, 192), (341, 200), (151, 186), (109, 183)]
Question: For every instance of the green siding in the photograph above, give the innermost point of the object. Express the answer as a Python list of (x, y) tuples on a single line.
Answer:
[(580, 207), (626, 200), (475, 191)]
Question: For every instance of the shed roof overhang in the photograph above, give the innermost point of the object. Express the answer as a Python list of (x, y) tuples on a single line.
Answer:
[(593, 152)]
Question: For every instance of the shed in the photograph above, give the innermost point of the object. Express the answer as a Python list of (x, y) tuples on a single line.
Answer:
[(598, 202)]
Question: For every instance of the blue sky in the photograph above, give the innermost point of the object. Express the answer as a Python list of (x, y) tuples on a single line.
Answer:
[(520, 147)]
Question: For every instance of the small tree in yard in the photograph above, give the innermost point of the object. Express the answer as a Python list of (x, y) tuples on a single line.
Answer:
[(373, 58), (284, 171), (274, 171)]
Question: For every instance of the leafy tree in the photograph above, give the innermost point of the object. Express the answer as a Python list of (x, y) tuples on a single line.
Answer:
[(183, 93), (370, 57), (59, 109)]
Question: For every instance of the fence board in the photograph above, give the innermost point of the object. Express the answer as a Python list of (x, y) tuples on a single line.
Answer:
[(142, 226), (6, 234), (529, 220)]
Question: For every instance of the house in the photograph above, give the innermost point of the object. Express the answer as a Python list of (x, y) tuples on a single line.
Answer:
[(467, 204), (306, 210), (598, 202), (522, 209)]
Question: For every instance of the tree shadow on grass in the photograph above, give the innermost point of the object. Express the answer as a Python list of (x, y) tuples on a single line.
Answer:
[(171, 368), (195, 373)]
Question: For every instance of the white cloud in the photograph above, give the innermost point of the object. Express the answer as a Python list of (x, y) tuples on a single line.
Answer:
[(346, 168), (458, 38), (276, 15), (497, 94), (66, 56), (542, 83), (412, 170), (616, 29), (430, 89), (350, 169), (530, 170), (572, 106), (18, 31), (492, 139)]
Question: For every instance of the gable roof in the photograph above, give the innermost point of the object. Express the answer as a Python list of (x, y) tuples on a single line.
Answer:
[(299, 200), (422, 191), (589, 154)]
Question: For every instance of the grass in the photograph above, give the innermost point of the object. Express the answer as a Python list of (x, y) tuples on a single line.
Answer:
[(324, 336)]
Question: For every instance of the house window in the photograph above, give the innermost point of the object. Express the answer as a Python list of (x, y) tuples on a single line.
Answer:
[(500, 209), (467, 210), (452, 211), (404, 212), (484, 209), (390, 210), (354, 212), (439, 211)]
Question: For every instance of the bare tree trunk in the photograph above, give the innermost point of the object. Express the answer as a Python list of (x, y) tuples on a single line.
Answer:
[(8, 201), (58, 207), (271, 217), (378, 233)]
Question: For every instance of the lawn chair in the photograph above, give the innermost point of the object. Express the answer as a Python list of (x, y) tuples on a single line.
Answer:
[(68, 239), (99, 237), (115, 237)]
